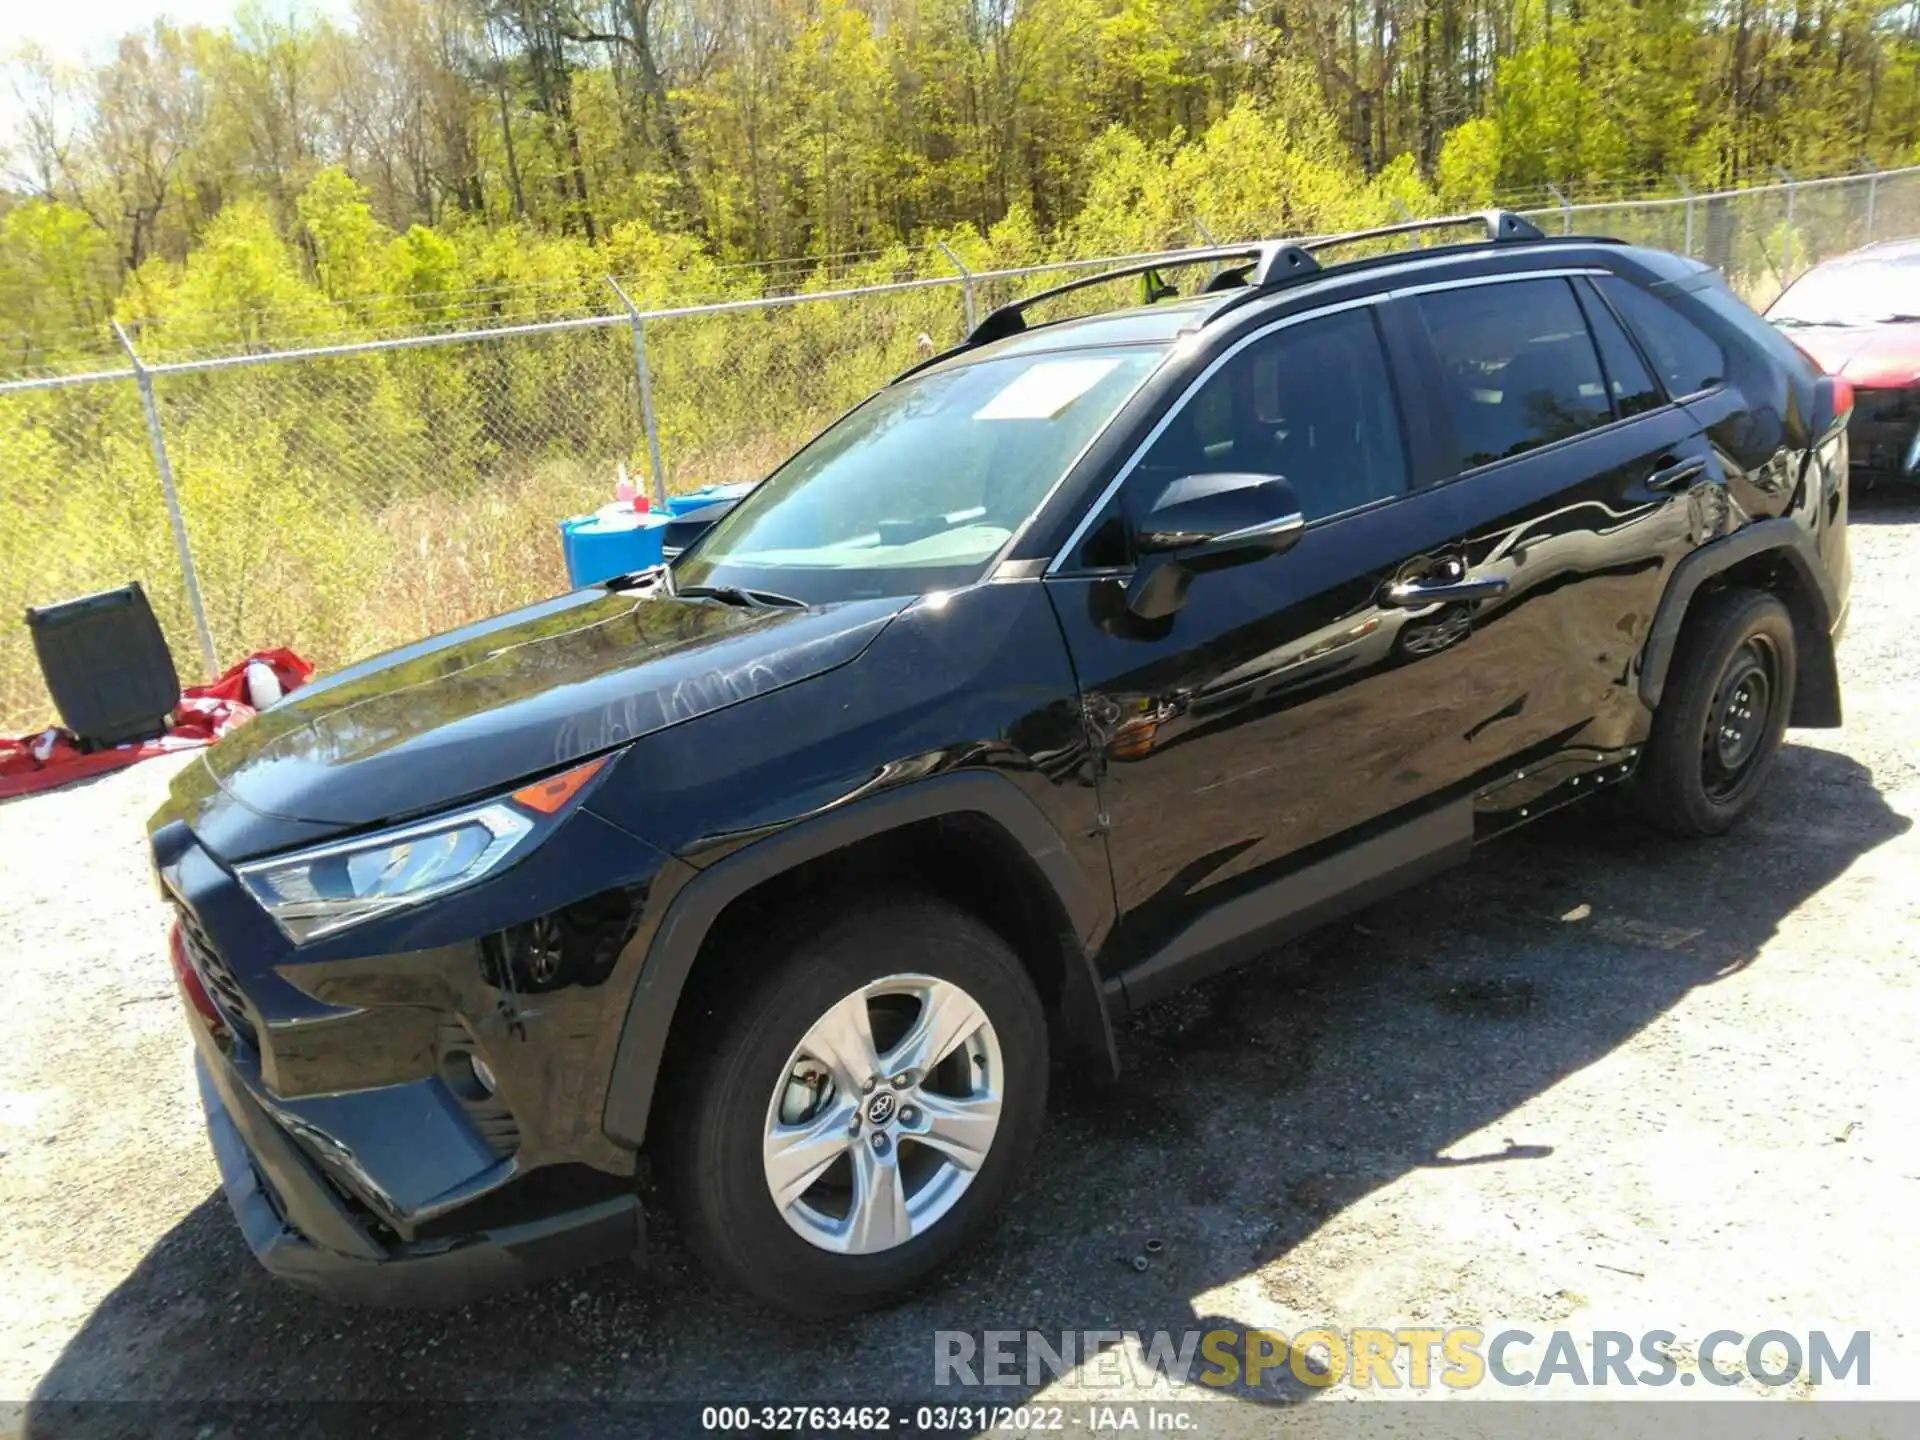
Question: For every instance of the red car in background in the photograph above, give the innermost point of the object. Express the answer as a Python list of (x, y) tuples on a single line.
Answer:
[(1858, 316)]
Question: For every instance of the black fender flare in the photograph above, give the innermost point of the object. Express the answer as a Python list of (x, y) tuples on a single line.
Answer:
[(1814, 605), (1086, 905)]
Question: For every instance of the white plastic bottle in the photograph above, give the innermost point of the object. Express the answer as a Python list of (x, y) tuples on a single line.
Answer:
[(263, 686)]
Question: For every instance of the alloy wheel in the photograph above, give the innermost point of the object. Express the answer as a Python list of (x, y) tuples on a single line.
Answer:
[(883, 1114)]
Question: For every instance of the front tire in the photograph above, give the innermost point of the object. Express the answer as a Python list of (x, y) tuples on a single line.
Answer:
[(1722, 717), (860, 1112)]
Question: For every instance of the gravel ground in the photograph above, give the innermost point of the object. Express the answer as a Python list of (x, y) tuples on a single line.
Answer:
[(1596, 1079)]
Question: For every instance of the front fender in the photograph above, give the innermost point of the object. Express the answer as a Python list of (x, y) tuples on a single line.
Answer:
[(1084, 903)]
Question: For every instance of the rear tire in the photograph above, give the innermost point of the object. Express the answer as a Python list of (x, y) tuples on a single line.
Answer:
[(888, 1157), (1722, 716)]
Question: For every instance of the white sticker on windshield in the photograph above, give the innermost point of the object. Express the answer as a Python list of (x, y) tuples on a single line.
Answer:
[(1045, 390)]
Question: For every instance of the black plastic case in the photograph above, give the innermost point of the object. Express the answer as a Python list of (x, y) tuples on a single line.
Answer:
[(107, 666)]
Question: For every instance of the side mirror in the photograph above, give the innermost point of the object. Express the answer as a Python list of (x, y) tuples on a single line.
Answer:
[(1208, 522), (683, 530), (1832, 402)]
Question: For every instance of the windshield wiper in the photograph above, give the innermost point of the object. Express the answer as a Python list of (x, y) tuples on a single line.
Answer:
[(636, 579), (738, 595)]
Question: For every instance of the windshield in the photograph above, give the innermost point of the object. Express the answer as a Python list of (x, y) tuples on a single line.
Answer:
[(1854, 292), (919, 488)]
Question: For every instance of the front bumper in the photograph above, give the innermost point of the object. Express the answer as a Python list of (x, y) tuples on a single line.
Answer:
[(1883, 437), (359, 1151), (300, 1229)]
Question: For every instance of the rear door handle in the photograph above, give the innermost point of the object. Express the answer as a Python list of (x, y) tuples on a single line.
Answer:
[(1677, 476), (1407, 594)]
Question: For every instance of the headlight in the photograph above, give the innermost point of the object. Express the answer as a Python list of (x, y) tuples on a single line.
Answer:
[(315, 892)]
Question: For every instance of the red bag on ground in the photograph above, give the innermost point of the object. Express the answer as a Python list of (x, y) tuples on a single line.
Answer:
[(205, 713)]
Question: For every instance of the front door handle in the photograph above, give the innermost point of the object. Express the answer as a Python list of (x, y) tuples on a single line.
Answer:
[(1408, 594), (1677, 476)]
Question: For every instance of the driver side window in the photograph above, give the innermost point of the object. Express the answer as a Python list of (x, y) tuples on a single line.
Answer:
[(1312, 402)]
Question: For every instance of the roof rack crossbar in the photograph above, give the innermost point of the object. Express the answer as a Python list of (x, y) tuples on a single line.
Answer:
[(1268, 263), (1502, 226)]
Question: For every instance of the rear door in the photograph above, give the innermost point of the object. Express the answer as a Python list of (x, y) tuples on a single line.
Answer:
[(1579, 483)]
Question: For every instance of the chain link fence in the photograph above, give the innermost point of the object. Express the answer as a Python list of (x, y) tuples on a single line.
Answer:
[(346, 498), (343, 504), (82, 511), (1763, 237)]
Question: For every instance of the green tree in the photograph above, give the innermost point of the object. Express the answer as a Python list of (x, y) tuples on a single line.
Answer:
[(57, 281), (345, 238)]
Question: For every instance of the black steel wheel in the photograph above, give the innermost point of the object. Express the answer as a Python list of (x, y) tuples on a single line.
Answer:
[(1722, 716), (1739, 717)]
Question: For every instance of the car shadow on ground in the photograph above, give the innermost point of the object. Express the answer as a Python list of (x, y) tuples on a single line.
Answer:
[(1253, 1110)]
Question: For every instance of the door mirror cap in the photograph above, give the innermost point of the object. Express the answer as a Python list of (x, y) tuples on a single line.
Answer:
[(1208, 522), (682, 530), (1832, 403)]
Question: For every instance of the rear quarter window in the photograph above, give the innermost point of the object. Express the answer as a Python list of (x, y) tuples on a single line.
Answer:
[(1689, 361)]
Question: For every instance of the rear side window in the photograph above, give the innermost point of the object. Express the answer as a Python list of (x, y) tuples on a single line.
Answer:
[(1687, 360), (1628, 379), (1520, 366)]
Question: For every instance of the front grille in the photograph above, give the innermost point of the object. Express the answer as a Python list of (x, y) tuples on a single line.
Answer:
[(1882, 427), (1885, 405), (214, 973)]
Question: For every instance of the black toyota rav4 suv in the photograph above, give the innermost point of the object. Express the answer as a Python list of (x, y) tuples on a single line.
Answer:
[(1072, 666)]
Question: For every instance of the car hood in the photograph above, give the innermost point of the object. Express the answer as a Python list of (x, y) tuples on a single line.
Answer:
[(1873, 356), (471, 711)]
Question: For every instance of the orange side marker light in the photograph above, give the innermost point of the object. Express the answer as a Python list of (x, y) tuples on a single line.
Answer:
[(548, 795)]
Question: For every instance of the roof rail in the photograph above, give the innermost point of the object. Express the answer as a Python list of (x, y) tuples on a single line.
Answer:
[(1268, 263)]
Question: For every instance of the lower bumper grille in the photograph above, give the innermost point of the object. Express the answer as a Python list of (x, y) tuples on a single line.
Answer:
[(491, 1115)]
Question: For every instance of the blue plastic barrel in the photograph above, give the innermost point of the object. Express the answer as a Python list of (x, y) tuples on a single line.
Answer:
[(598, 547), (706, 495)]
